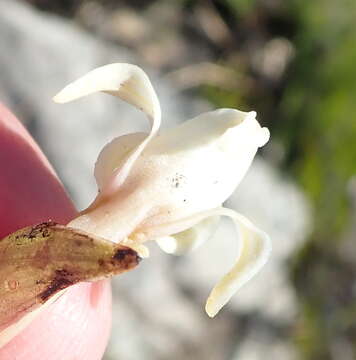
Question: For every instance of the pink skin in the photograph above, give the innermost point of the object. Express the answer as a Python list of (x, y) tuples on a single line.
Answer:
[(77, 325)]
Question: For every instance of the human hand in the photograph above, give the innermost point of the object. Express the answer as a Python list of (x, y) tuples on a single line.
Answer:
[(77, 325)]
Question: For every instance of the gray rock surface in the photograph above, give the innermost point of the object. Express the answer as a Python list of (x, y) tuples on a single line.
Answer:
[(158, 308)]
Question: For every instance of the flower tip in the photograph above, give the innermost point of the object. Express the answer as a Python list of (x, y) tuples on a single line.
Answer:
[(69, 93), (252, 114), (59, 98), (211, 309), (263, 137)]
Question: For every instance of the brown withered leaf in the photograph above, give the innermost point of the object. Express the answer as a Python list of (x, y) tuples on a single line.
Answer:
[(39, 261)]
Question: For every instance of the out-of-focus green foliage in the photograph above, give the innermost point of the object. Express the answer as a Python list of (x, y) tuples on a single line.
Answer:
[(314, 117), (319, 131), (241, 7)]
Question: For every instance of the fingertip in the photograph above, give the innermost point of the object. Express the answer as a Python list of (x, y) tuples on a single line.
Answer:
[(30, 191), (76, 326)]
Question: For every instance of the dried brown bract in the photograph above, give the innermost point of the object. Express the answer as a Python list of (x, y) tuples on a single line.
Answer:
[(39, 261)]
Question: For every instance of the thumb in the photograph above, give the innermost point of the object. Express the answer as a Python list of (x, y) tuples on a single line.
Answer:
[(77, 325)]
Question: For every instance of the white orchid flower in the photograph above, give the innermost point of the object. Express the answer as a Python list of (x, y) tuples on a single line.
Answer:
[(170, 187)]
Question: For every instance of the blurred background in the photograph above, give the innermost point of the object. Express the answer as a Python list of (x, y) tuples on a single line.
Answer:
[(291, 61)]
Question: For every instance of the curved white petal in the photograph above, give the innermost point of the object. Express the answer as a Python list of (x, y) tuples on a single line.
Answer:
[(131, 84), (254, 251), (190, 239)]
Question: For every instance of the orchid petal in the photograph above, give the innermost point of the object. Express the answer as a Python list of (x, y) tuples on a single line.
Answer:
[(254, 251), (131, 84)]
